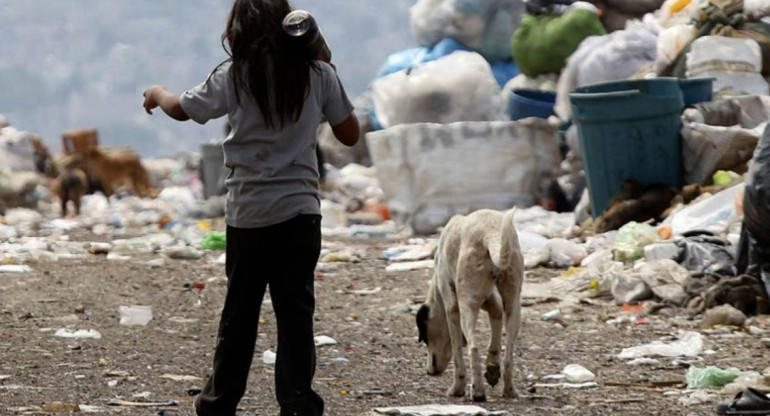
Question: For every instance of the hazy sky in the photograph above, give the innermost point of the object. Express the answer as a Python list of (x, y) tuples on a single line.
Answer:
[(67, 64)]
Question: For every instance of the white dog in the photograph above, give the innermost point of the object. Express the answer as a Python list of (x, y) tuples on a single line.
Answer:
[(478, 266)]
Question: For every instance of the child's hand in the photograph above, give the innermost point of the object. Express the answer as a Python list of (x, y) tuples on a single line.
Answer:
[(151, 97)]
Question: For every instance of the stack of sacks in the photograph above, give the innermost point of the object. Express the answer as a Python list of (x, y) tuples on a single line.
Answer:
[(17, 152), (617, 56), (459, 87), (735, 63), (20, 183), (482, 25)]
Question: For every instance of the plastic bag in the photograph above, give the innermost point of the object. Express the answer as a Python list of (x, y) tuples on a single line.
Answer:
[(483, 25), (616, 56), (458, 87), (671, 43), (735, 63), (631, 240), (690, 344), (412, 57), (707, 255), (713, 214), (214, 240), (703, 378), (543, 44)]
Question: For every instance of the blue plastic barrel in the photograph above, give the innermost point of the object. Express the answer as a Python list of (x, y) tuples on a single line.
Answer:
[(531, 103), (697, 90), (628, 130)]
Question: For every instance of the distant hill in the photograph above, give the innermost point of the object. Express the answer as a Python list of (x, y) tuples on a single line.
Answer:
[(68, 64)]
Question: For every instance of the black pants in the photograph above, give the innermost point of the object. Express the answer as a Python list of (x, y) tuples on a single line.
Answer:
[(282, 257)]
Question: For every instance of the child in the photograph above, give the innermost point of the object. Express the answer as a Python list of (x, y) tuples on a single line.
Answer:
[(275, 94)]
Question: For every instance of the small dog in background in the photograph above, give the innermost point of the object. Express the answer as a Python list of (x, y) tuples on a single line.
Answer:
[(71, 185), (478, 266)]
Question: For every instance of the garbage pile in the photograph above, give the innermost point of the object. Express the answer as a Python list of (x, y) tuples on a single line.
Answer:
[(629, 132)]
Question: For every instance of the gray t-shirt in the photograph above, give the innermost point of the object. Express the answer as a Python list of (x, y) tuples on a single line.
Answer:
[(273, 173)]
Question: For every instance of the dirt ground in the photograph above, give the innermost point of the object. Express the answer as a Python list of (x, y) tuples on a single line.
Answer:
[(376, 336)]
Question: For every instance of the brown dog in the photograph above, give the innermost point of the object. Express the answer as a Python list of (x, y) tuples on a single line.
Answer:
[(115, 169), (71, 185)]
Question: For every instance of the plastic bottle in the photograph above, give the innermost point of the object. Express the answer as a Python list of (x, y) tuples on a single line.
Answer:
[(302, 25)]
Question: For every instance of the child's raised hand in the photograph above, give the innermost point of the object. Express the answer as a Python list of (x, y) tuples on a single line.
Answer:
[(151, 97)]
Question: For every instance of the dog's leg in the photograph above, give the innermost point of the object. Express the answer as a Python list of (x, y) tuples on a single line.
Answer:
[(469, 311), (510, 292), (495, 309), (456, 338)]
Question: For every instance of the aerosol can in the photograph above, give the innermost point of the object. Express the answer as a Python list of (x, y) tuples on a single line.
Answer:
[(301, 25)]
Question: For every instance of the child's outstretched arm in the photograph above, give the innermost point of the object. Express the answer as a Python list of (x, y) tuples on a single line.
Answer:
[(158, 96)]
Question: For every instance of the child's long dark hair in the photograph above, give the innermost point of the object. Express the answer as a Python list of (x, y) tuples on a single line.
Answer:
[(266, 61)]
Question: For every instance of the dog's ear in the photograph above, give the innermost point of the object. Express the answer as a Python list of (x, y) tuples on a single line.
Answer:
[(423, 314)]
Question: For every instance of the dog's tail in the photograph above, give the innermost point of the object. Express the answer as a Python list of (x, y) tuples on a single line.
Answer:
[(501, 251)]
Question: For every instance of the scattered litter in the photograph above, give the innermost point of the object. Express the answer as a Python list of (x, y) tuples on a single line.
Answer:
[(142, 395), (340, 257), (13, 268), (438, 410), (175, 377), (578, 374), (410, 252), (631, 240), (704, 378), (409, 266), (59, 407), (323, 340), (183, 253), (214, 240), (268, 357), (661, 251), (120, 402), (135, 315), (98, 248), (697, 398), (580, 386), (157, 263), (365, 292), (751, 379), (79, 334), (118, 257), (690, 344), (723, 315), (553, 316), (643, 361)]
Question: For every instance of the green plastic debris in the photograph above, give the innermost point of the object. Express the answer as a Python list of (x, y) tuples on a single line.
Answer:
[(214, 240), (703, 378), (631, 240), (542, 44), (724, 178)]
